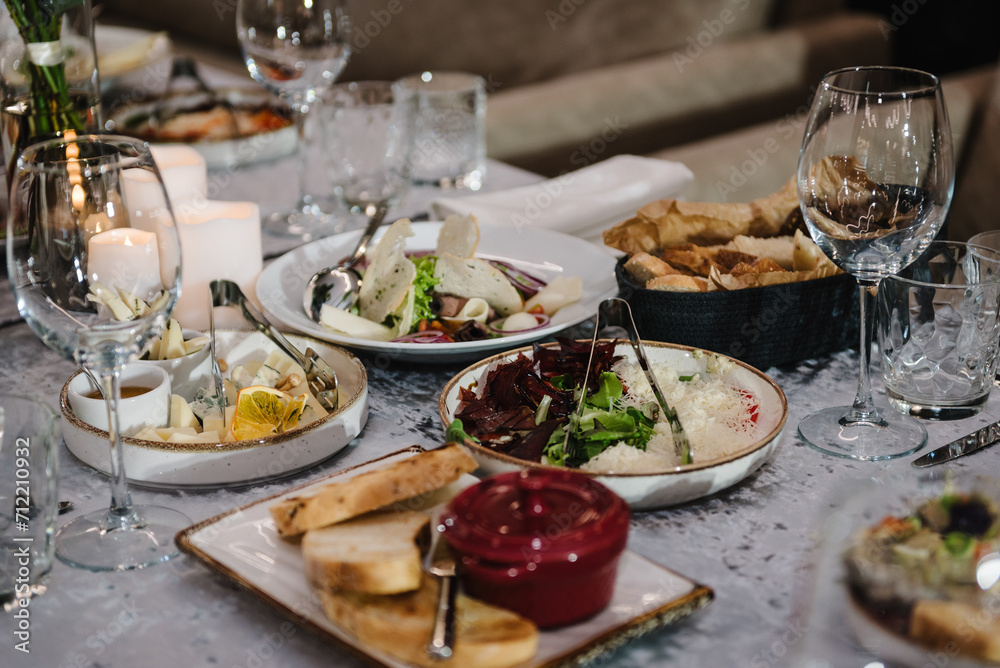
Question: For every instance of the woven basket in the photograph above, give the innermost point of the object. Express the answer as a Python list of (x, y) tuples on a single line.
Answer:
[(763, 327)]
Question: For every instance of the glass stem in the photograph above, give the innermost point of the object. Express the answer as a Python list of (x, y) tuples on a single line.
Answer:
[(863, 409), (301, 115), (120, 515)]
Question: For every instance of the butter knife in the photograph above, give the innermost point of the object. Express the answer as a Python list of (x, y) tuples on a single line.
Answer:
[(977, 440), (442, 564)]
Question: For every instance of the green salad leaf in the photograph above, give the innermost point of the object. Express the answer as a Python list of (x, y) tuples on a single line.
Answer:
[(423, 285), (602, 423)]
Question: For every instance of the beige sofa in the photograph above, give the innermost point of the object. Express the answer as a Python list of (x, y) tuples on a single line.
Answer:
[(575, 81)]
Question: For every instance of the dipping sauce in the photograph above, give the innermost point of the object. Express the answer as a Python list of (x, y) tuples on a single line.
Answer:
[(543, 543), (127, 392)]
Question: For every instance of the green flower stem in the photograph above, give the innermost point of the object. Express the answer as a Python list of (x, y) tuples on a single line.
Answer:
[(51, 107)]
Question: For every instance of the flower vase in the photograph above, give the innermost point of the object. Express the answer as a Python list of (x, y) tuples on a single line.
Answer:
[(49, 80)]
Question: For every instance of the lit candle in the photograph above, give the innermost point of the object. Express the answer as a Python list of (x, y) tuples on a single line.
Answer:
[(125, 258), (218, 240), (184, 173), (184, 176)]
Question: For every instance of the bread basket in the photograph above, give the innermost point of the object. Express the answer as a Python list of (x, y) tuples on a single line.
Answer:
[(762, 326)]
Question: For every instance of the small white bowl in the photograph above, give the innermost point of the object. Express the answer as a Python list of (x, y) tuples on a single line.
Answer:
[(149, 409), (189, 372)]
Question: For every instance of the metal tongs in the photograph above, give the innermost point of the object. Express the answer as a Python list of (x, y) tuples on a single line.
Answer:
[(320, 377), (615, 312)]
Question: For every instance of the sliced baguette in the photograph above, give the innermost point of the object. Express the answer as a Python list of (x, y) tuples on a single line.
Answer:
[(679, 283), (339, 501), (400, 625), (377, 553), (951, 624)]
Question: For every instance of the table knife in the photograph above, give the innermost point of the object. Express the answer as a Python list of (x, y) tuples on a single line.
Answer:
[(442, 564), (977, 440)]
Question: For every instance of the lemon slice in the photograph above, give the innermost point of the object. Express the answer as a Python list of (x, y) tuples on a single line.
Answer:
[(262, 411)]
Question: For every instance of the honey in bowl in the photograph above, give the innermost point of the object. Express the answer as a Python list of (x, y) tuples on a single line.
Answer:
[(127, 392), (543, 543)]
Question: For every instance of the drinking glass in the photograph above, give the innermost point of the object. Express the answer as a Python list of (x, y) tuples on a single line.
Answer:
[(296, 49), (95, 267), (370, 131), (875, 179)]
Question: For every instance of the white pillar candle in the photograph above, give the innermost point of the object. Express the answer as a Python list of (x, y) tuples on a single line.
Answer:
[(125, 258), (218, 240), (184, 174)]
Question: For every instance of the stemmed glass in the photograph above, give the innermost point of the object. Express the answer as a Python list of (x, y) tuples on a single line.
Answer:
[(96, 269), (875, 179), (297, 49)]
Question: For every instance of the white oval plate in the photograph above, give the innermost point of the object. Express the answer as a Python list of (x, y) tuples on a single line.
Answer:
[(542, 253), (646, 491), (182, 465)]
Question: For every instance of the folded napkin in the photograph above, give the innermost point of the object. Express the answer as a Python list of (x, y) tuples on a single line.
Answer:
[(583, 203)]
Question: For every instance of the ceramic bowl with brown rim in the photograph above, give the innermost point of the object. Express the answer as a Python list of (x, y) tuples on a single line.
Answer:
[(710, 473), (195, 465)]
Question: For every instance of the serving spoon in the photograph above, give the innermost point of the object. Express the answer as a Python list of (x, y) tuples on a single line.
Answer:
[(338, 285)]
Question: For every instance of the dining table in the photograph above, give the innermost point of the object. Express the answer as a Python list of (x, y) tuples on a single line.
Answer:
[(753, 544)]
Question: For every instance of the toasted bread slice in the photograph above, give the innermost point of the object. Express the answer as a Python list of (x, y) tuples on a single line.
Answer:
[(459, 236), (472, 277), (948, 624), (643, 266), (401, 625), (679, 283), (377, 553), (339, 501), (388, 279)]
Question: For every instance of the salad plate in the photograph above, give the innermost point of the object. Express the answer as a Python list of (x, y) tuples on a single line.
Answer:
[(243, 546), (542, 253), (199, 465), (657, 489)]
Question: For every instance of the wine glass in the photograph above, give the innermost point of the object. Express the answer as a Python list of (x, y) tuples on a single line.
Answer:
[(875, 179), (297, 49), (95, 266)]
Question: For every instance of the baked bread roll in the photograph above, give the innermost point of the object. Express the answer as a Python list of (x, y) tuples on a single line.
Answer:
[(401, 625), (377, 553), (950, 624), (342, 500)]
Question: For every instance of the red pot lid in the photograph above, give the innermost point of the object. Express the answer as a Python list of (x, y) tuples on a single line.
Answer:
[(537, 515)]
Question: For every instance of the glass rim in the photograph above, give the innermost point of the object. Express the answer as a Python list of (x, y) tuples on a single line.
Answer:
[(424, 80), (991, 255), (930, 86), (140, 145), (47, 410)]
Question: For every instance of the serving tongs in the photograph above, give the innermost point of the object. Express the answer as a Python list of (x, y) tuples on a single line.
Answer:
[(616, 313), (320, 377)]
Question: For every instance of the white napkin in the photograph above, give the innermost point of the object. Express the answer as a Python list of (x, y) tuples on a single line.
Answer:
[(583, 203)]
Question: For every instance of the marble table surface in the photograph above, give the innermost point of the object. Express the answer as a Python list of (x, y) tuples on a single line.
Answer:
[(751, 543)]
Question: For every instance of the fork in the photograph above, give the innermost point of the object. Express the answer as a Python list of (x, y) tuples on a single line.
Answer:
[(320, 377)]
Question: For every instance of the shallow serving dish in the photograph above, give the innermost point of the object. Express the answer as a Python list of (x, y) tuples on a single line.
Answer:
[(243, 546), (221, 152), (645, 491), (540, 252), (195, 465)]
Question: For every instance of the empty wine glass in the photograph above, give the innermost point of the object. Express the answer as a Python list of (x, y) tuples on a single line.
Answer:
[(875, 179), (95, 267), (297, 49)]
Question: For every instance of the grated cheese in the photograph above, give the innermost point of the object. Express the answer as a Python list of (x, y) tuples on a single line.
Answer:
[(715, 416)]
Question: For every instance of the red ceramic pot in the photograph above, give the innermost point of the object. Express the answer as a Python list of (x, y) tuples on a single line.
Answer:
[(543, 543)]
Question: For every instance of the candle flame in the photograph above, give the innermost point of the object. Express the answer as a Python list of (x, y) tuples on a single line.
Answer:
[(79, 197), (128, 241)]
